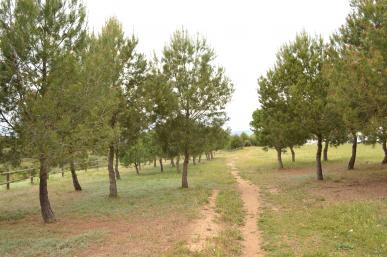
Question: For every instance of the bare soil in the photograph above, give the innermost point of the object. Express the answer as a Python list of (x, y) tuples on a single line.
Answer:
[(206, 227), (363, 183), (250, 197), (352, 190), (135, 238)]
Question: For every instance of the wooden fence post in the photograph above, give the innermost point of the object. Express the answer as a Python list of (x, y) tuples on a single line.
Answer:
[(8, 179)]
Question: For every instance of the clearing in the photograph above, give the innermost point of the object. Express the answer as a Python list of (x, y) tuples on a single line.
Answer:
[(246, 208)]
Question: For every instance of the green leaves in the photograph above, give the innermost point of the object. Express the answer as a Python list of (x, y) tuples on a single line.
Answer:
[(40, 48), (283, 95), (357, 69), (201, 89)]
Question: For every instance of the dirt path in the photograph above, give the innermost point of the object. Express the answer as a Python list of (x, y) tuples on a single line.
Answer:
[(250, 197), (205, 227)]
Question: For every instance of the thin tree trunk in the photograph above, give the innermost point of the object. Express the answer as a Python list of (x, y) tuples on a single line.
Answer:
[(211, 155), (194, 160), (178, 164), (118, 176), (293, 154), (351, 164), (326, 146), (184, 177), (200, 158), (74, 176), (161, 165), (45, 207), (136, 166), (172, 162), (154, 162), (318, 158), (384, 145), (62, 169), (279, 158), (112, 175)]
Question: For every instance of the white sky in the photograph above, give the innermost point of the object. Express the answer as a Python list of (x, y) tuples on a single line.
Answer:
[(245, 34)]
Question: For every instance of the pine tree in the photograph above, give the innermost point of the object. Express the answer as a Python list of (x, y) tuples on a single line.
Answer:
[(35, 38), (200, 89)]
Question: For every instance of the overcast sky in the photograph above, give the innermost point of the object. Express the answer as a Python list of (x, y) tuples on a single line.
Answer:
[(245, 34)]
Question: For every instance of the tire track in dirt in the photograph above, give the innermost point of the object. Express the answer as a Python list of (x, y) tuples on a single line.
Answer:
[(250, 197), (205, 227)]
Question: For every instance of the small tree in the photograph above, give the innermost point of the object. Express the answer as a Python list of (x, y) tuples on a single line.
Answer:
[(115, 54), (137, 153), (201, 90), (245, 138), (303, 60), (167, 142), (236, 142), (277, 124)]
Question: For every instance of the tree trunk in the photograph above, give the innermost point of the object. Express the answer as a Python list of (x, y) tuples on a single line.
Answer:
[(172, 162), (318, 158), (279, 158), (154, 162), (74, 176), (211, 155), (326, 146), (384, 145), (178, 164), (136, 166), (118, 176), (62, 169), (112, 175), (293, 154), (200, 158), (184, 177), (194, 160), (351, 164), (161, 164), (45, 207)]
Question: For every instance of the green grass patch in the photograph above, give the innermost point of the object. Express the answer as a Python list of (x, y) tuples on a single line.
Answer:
[(150, 196), (304, 217), (230, 206), (47, 244)]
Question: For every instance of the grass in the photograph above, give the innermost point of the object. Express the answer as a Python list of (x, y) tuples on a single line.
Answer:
[(50, 245), (230, 206), (342, 216), (151, 198)]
